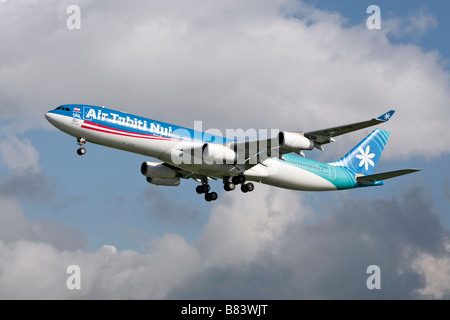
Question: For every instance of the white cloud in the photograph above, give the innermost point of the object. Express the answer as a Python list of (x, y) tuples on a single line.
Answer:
[(240, 227), (14, 226), (140, 276), (13, 222), (417, 23), (29, 271), (436, 270), (226, 63), (19, 154)]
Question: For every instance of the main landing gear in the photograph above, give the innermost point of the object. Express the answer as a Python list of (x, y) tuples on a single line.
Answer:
[(204, 188), (81, 141), (227, 185), (240, 179)]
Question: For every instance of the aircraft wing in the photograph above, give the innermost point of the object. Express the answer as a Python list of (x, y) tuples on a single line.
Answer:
[(251, 151), (326, 135)]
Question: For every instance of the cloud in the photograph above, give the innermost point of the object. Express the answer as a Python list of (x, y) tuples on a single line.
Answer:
[(446, 189), (416, 24), (15, 226), (436, 271), (19, 155), (328, 259), (37, 270), (158, 205), (223, 64), (27, 181), (273, 252), (240, 227), (13, 222)]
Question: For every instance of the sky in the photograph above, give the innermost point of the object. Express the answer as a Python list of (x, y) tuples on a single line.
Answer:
[(284, 64)]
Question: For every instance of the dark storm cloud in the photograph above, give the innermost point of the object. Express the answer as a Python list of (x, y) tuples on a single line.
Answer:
[(328, 259)]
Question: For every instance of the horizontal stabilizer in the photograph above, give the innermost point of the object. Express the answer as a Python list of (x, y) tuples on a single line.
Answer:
[(384, 175)]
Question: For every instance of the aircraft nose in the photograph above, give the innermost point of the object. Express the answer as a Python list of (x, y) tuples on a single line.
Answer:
[(51, 117)]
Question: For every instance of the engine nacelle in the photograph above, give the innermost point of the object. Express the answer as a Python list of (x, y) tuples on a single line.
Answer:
[(294, 141), (164, 182), (218, 153), (157, 170)]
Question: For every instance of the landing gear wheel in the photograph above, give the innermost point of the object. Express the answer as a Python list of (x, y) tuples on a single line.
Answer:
[(248, 187), (81, 142), (211, 196), (229, 186), (238, 179), (204, 188)]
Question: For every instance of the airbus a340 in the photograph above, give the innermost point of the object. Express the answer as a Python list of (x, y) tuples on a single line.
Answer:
[(185, 153)]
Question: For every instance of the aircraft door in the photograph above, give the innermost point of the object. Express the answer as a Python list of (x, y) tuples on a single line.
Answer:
[(332, 172)]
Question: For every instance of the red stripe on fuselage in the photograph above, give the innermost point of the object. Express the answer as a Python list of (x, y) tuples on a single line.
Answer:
[(101, 128)]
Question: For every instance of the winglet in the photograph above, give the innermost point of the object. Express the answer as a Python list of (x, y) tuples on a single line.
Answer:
[(386, 116)]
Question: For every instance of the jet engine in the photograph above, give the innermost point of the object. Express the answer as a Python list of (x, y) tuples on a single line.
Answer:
[(157, 170), (294, 141), (164, 182), (218, 153)]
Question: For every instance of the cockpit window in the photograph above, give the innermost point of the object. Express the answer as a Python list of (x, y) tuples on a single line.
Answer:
[(63, 108)]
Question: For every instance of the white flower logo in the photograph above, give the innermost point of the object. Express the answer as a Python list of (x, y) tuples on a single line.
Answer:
[(365, 157)]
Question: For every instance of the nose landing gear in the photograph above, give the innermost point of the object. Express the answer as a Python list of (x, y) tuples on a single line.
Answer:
[(81, 141)]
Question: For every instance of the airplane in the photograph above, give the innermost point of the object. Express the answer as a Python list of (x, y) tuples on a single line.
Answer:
[(185, 153)]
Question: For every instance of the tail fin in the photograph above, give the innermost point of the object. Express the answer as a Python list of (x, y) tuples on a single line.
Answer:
[(364, 157)]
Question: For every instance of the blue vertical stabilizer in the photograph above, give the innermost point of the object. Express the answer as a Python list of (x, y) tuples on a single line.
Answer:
[(364, 157)]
